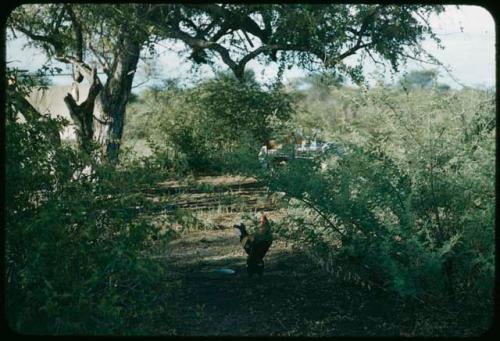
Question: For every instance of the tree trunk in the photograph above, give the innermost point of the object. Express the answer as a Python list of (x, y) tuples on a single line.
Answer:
[(83, 114), (116, 93), (100, 118)]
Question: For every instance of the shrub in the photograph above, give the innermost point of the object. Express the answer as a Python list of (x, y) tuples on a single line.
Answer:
[(76, 247), (206, 124), (412, 198)]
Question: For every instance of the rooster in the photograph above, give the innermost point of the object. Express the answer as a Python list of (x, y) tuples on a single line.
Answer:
[(256, 245)]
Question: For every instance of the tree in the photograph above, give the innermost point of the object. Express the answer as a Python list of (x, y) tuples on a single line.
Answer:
[(205, 126), (85, 36), (320, 84), (113, 36), (423, 79), (419, 79), (312, 36)]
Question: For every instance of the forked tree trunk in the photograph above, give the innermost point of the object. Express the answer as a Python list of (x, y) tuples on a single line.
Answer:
[(83, 114), (100, 118)]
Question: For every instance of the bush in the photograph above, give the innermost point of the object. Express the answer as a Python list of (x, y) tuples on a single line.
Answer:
[(411, 202), (76, 248), (204, 125)]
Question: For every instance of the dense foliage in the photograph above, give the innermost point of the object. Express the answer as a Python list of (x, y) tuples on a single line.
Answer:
[(407, 208), (76, 251), (209, 126), (410, 206), (93, 36)]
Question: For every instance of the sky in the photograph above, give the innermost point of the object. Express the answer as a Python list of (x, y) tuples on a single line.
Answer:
[(467, 33)]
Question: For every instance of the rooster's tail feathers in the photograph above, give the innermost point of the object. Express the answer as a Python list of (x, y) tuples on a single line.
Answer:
[(240, 230)]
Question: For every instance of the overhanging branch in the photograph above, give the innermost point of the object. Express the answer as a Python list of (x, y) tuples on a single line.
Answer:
[(78, 32), (199, 43), (86, 69), (41, 38)]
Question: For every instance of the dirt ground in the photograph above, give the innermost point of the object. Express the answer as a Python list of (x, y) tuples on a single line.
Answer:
[(294, 297)]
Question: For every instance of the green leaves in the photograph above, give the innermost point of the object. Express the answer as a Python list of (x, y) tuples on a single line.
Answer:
[(76, 246), (408, 200), (448, 246), (219, 124)]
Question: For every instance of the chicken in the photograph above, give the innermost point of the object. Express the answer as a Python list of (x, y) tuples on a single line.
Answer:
[(256, 245)]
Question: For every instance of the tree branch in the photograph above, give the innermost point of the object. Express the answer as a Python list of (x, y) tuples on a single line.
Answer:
[(78, 32), (28, 111), (191, 24), (95, 86), (203, 44), (104, 63), (266, 48), (86, 69), (41, 38), (358, 45), (235, 20), (322, 215), (374, 60), (330, 62), (248, 38)]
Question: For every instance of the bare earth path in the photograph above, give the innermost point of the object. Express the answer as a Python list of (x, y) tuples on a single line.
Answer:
[(294, 297)]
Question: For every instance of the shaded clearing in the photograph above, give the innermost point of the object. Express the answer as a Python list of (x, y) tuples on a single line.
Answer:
[(294, 297)]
